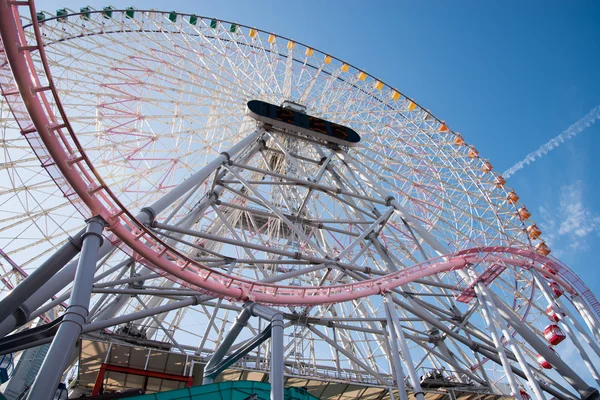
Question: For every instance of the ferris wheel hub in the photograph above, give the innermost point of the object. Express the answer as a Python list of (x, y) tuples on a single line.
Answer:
[(301, 108), (290, 120)]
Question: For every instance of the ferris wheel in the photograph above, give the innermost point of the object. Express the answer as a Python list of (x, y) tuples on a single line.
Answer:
[(224, 185)]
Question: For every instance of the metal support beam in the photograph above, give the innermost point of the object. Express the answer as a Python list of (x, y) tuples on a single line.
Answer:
[(49, 289), (566, 324), (485, 304), (483, 349), (61, 279), (412, 373), (276, 376), (241, 352), (17, 296), (588, 317), (277, 364), (585, 391), (45, 384), (531, 380), (161, 204), (398, 371), (594, 345), (66, 274), (240, 322), (424, 306), (348, 354), (161, 326)]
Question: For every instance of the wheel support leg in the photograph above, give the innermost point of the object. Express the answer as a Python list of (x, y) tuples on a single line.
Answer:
[(396, 357), (41, 275), (240, 322), (485, 303), (589, 319), (542, 348), (165, 201), (566, 324), (276, 376), (531, 380), (45, 384), (412, 373)]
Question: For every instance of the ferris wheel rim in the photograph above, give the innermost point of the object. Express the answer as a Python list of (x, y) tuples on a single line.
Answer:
[(350, 65), (127, 236)]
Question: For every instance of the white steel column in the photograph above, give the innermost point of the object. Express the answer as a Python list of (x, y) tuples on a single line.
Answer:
[(412, 373), (579, 327), (55, 284), (240, 322), (489, 320), (541, 347), (17, 296), (531, 380), (395, 356), (276, 375), (46, 383), (589, 319), (161, 204), (277, 364), (567, 325)]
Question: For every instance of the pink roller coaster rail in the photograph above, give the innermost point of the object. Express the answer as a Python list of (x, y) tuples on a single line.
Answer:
[(52, 138)]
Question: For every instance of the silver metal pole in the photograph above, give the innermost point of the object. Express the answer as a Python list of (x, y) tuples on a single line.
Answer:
[(396, 357), (46, 382), (412, 373), (37, 278), (589, 319), (276, 376), (161, 204), (61, 279), (542, 348), (240, 322), (485, 303), (532, 381)]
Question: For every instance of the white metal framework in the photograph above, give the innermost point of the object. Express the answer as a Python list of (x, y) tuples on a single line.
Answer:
[(402, 262)]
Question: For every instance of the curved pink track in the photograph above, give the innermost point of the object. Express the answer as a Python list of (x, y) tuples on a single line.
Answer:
[(55, 143)]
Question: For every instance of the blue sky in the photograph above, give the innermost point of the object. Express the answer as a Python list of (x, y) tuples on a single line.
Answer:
[(508, 75)]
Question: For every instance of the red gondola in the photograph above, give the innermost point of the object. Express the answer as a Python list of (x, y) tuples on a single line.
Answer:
[(553, 315), (524, 395), (542, 361), (554, 334), (556, 289)]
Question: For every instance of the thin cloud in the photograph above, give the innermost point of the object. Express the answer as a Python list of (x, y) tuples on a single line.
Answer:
[(579, 220), (569, 223), (579, 126)]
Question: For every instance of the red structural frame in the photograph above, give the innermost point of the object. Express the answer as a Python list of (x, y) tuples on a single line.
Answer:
[(135, 371)]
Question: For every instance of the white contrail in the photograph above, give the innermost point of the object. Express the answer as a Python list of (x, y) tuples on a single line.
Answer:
[(570, 132)]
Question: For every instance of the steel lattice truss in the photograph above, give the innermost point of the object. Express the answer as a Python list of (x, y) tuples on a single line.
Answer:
[(137, 105)]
